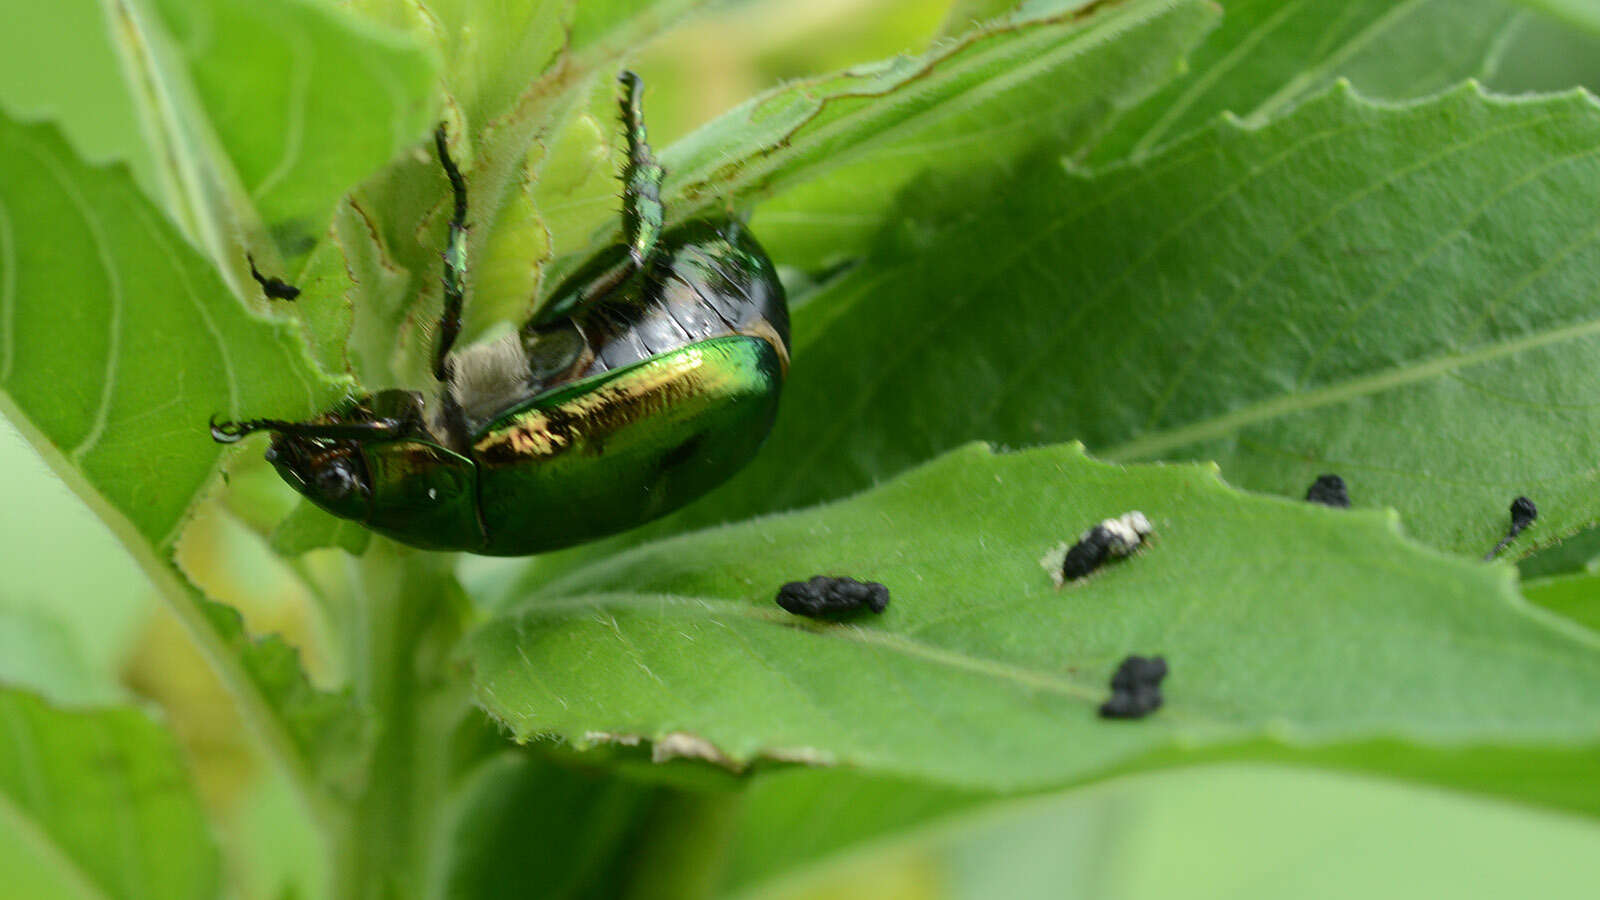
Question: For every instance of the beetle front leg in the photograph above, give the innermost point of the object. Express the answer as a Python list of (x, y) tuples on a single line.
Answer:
[(455, 259), (228, 432)]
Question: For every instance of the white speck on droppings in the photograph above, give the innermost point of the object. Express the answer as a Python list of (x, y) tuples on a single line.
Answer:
[(1129, 531), (433, 494)]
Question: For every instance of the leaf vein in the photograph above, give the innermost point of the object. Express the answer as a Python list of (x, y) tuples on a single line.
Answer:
[(102, 412), (1181, 372)]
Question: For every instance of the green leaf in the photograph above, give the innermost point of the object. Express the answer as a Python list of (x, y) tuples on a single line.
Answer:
[(798, 821), (305, 99), (1320, 628), (1544, 55), (42, 654), (57, 62), (1578, 553), (1575, 596), (132, 343), (523, 827), (309, 528), (1399, 295), (964, 14), (1269, 55), (323, 727), (264, 112), (1221, 831), (118, 341), (833, 151), (67, 651), (1582, 13), (96, 803)]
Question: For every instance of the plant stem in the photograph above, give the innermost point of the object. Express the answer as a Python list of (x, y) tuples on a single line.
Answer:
[(408, 613)]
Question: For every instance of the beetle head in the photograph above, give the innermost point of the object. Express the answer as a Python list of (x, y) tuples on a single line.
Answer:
[(332, 474)]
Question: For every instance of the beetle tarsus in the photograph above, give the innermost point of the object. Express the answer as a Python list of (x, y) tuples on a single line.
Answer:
[(455, 257)]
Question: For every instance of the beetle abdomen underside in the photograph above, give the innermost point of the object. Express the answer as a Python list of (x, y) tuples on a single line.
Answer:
[(610, 452)]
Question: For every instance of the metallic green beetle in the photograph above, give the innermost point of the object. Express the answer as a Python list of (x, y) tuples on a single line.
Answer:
[(651, 376)]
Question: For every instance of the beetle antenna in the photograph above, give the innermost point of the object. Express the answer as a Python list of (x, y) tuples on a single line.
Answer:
[(231, 432), (455, 257), (642, 211)]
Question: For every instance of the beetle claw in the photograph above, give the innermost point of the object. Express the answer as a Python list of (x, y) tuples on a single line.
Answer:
[(227, 432)]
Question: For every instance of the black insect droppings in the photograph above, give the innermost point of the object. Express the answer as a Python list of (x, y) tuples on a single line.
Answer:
[(274, 287), (825, 596), (1523, 512), (1112, 538), (1135, 688), (1329, 490)]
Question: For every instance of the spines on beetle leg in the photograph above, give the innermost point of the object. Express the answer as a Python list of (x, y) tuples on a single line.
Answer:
[(642, 212)]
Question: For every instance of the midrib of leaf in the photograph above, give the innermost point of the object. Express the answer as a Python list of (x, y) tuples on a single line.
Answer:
[(155, 560), (1159, 442), (1333, 209), (898, 643), (1154, 442), (128, 37), (188, 197), (905, 349)]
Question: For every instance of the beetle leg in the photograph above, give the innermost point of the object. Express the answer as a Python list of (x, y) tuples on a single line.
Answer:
[(381, 429), (455, 258), (643, 214), (642, 211)]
